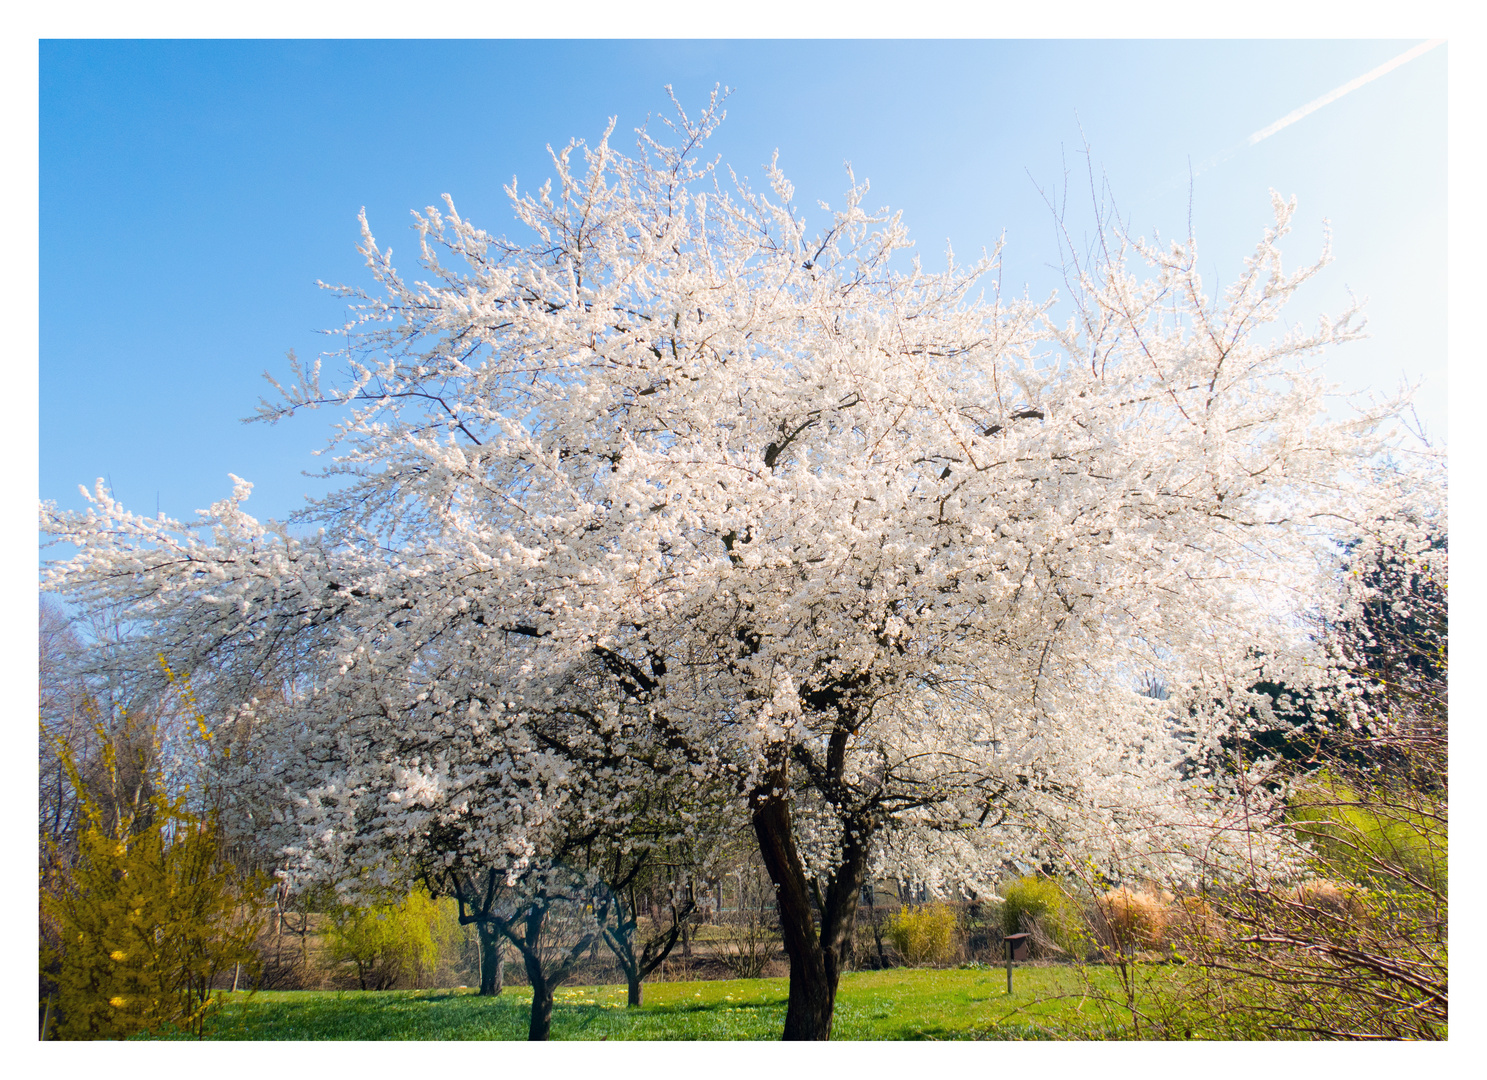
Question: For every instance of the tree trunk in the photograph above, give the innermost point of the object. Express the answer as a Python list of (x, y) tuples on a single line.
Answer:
[(543, 979), (621, 942), (817, 957), (492, 961), (634, 972), (812, 1001), (812, 994), (540, 1026)]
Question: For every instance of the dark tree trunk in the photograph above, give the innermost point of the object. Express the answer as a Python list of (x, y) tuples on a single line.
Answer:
[(812, 993), (492, 961), (621, 942), (544, 978), (622, 945), (540, 1026), (877, 925), (812, 1001), (817, 954)]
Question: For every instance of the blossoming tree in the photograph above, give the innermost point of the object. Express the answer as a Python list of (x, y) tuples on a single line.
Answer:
[(877, 557)]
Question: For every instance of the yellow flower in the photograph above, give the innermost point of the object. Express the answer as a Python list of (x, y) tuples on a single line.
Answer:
[(117, 954), (116, 1002)]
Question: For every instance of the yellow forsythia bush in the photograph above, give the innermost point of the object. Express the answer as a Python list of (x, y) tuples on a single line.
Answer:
[(925, 935), (145, 920)]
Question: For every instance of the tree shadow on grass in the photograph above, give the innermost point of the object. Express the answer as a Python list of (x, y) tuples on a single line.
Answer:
[(449, 995)]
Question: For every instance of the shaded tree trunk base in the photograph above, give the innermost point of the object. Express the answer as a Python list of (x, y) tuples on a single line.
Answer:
[(539, 1029), (492, 965)]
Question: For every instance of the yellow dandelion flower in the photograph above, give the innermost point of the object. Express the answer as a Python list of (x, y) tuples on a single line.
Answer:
[(116, 1002), (117, 955)]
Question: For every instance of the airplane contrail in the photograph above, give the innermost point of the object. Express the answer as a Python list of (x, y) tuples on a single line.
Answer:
[(1312, 106)]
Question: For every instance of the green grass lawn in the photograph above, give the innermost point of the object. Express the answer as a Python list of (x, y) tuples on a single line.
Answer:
[(1050, 1002)]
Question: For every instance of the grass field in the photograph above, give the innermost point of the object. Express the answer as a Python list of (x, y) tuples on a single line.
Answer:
[(1049, 1003)]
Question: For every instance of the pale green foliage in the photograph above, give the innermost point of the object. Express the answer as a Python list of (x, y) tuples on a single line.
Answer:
[(147, 918), (1388, 839), (924, 935), (1040, 898), (394, 940)]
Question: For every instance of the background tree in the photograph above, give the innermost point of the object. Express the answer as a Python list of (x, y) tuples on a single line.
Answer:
[(679, 484), (547, 912), (631, 890), (629, 823), (118, 736), (492, 958), (1391, 625), (64, 706), (750, 931), (392, 941)]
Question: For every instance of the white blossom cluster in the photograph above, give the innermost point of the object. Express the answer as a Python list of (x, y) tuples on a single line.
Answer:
[(678, 495)]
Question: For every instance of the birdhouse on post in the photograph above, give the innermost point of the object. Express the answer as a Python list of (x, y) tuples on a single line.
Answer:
[(1016, 950)]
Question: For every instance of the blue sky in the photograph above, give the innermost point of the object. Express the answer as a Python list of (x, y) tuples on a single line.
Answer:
[(192, 192)]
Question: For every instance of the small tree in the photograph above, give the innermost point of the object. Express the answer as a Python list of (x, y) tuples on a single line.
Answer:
[(548, 913), (620, 915), (389, 942)]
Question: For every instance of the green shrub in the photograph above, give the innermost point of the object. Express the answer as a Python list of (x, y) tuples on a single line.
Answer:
[(925, 935), (1373, 839), (1040, 900)]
